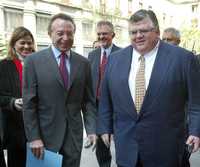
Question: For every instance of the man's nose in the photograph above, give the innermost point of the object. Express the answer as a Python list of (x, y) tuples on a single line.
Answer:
[(65, 37), (139, 34)]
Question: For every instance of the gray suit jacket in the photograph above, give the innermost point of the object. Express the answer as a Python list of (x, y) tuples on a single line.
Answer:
[(50, 110), (95, 59)]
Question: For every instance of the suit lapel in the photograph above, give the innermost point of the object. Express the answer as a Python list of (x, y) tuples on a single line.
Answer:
[(158, 74), (97, 63), (125, 66), (114, 48), (51, 62), (74, 66)]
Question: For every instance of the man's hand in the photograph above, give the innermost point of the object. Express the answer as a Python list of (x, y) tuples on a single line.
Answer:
[(18, 104), (37, 148), (106, 139), (193, 140), (91, 141)]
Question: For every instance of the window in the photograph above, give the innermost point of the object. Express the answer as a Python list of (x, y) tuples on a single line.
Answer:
[(118, 32), (102, 6), (42, 21), (87, 28), (42, 46), (164, 18), (150, 7), (13, 18), (86, 50), (130, 7), (140, 5), (194, 8)]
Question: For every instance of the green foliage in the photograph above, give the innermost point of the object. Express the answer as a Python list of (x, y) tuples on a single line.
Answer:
[(190, 39)]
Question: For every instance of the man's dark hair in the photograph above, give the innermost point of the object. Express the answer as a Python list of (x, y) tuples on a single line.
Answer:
[(63, 17), (143, 14)]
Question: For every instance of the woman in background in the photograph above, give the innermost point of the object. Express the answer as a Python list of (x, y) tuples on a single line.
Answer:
[(20, 45)]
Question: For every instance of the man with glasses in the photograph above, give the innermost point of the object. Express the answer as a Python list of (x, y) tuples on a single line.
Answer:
[(145, 88), (172, 36), (98, 59)]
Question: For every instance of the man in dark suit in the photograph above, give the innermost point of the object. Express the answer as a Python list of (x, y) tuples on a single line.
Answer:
[(57, 86), (105, 34), (144, 92), (172, 36)]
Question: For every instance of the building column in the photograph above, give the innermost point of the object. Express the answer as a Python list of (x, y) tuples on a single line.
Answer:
[(78, 36), (2, 27), (29, 20)]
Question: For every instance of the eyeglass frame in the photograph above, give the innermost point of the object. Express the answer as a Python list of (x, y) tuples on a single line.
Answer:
[(141, 31)]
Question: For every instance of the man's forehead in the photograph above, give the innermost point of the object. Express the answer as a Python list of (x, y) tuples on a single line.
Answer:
[(143, 22), (60, 22), (103, 27)]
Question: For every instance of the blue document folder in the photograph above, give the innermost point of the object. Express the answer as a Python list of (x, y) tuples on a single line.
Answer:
[(51, 159)]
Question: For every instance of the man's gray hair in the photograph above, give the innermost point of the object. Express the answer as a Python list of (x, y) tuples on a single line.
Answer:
[(105, 22), (175, 32)]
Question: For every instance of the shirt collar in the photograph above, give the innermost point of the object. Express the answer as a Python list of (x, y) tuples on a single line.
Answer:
[(137, 54), (108, 50), (57, 52)]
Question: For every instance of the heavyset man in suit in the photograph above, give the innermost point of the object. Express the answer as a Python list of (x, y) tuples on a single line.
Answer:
[(98, 58), (57, 86), (149, 129)]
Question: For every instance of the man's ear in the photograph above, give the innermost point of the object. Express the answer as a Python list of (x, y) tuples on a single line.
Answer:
[(113, 35)]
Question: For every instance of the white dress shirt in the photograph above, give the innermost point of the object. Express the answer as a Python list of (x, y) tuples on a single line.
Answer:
[(135, 64)]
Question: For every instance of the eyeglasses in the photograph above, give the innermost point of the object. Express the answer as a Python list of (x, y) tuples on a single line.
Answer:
[(103, 33), (141, 31), (167, 39)]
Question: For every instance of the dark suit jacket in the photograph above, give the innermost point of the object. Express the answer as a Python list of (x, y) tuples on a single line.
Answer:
[(49, 109), (157, 132), (10, 90), (95, 60)]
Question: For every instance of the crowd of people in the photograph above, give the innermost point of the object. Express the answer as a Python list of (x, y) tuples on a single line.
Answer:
[(145, 97)]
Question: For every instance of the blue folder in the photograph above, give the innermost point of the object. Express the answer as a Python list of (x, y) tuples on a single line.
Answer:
[(51, 159)]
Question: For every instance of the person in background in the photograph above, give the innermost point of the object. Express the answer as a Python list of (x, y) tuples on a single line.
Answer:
[(20, 46), (98, 58), (57, 87), (172, 36), (144, 92)]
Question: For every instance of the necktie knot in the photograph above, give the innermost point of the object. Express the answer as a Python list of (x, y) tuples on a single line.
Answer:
[(142, 58), (63, 55), (104, 58)]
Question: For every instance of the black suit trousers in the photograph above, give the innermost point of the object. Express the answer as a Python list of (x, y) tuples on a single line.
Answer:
[(103, 153), (2, 160)]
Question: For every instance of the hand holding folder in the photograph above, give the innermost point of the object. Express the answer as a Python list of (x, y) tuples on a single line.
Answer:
[(50, 159)]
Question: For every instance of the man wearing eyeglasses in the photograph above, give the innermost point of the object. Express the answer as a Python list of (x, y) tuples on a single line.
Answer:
[(98, 59), (145, 88), (172, 36)]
